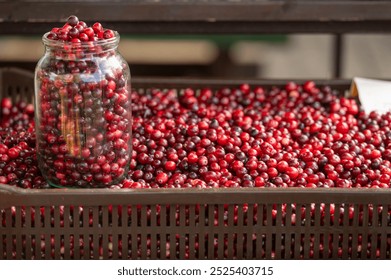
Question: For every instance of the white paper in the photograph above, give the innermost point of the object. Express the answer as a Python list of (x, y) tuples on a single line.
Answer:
[(374, 95)]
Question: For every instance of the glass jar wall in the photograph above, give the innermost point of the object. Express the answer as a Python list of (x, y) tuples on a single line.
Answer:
[(83, 113)]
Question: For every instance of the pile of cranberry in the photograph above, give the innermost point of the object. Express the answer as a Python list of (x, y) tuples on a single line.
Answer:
[(76, 31), (18, 159), (294, 136)]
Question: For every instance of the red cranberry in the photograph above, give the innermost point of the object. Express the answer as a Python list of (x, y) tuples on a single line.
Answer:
[(6, 103), (162, 178), (74, 33), (3, 149), (107, 34), (97, 27), (73, 20), (170, 166), (13, 152), (3, 180), (292, 172)]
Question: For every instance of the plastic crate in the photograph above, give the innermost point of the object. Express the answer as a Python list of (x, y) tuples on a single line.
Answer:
[(16, 83), (191, 223)]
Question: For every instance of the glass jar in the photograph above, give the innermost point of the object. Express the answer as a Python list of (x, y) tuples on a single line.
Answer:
[(83, 113)]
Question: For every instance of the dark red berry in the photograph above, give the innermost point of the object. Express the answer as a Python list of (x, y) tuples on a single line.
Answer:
[(72, 20)]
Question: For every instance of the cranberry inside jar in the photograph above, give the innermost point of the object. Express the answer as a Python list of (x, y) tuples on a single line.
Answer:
[(83, 107)]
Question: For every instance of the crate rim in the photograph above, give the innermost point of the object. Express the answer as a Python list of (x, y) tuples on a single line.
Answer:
[(14, 196), (65, 190), (186, 82)]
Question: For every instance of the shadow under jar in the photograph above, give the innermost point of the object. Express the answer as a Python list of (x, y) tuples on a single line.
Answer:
[(83, 113)]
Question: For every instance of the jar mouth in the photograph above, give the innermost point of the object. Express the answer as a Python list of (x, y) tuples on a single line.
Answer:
[(61, 44)]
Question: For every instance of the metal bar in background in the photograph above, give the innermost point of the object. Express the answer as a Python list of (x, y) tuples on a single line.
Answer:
[(338, 56), (210, 28), (201, 17)]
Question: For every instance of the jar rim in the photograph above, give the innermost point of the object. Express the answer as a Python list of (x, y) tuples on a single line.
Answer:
[(101, 42)]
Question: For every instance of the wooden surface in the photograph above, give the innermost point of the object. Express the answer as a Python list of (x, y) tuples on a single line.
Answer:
[(200, 17)]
